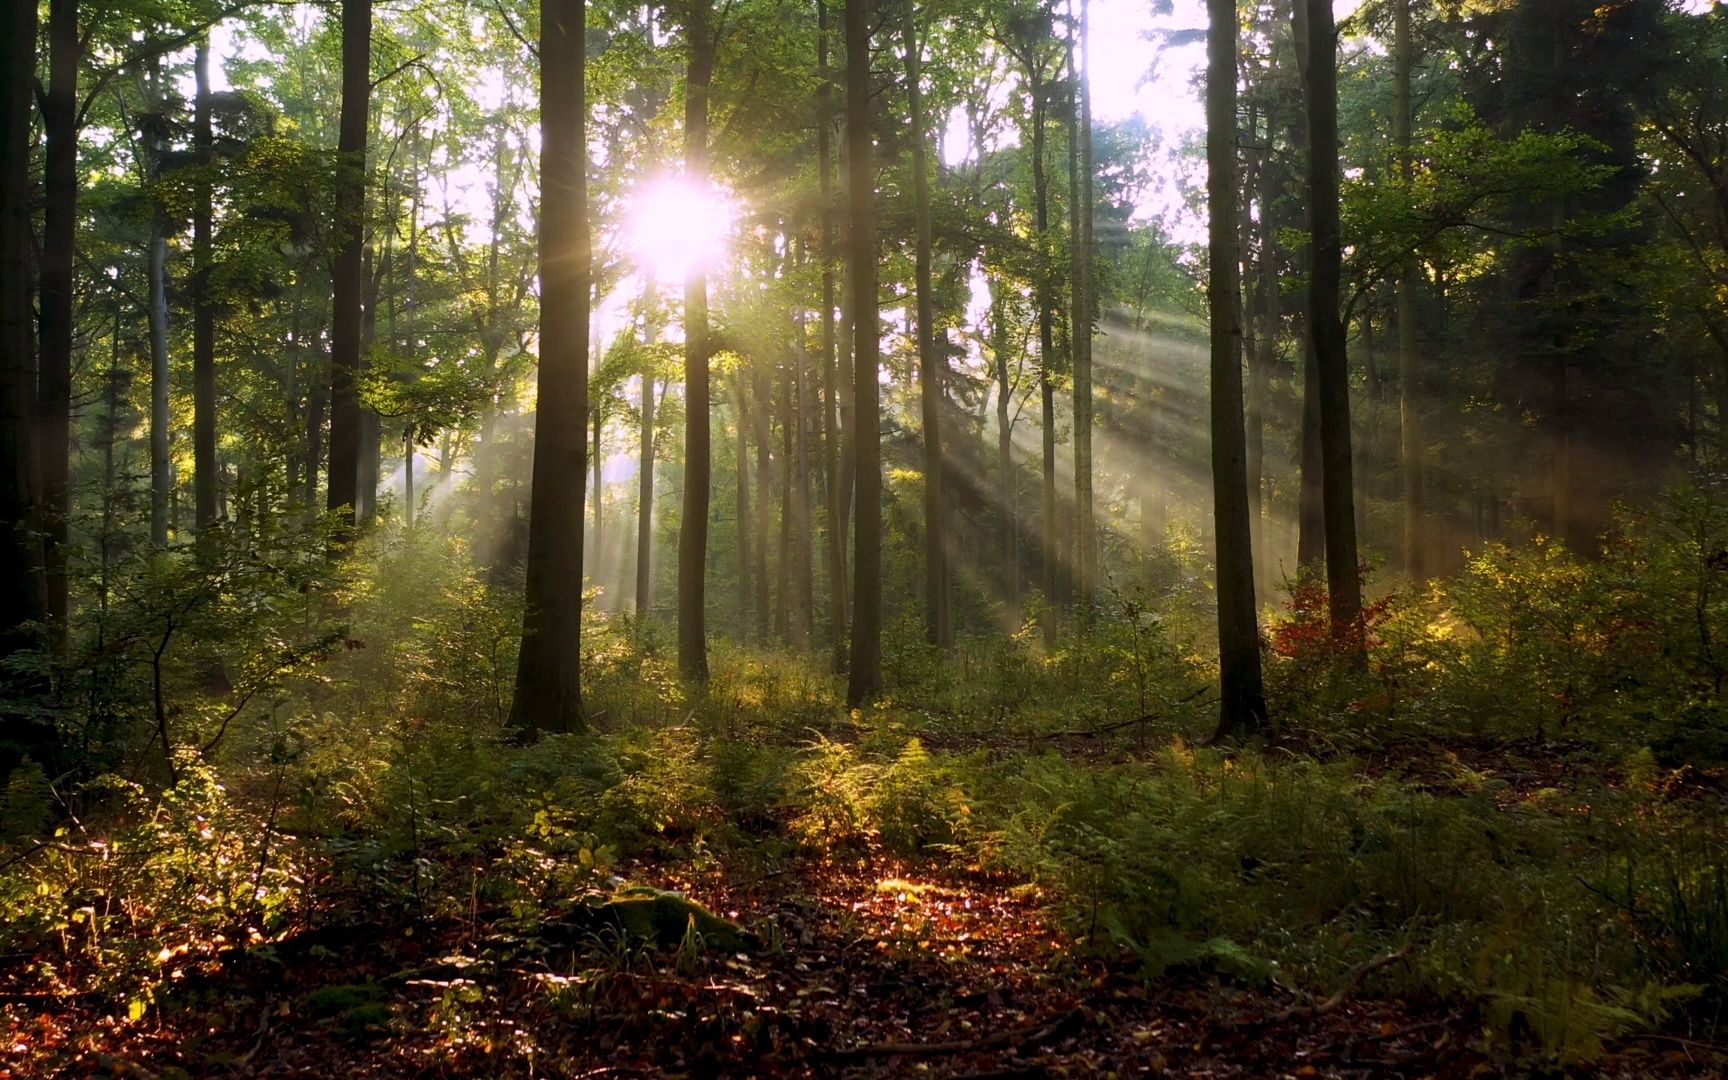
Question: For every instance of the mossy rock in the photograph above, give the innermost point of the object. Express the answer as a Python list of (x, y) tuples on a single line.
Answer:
[(356, 1007), (663, 918)]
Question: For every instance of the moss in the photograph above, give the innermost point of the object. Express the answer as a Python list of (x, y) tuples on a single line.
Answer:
[(662, 918)]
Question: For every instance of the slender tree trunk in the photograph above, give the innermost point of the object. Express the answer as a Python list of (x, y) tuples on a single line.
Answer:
[(1086, 526), (1310, 510), (1343, 575), (783, 613), (23, 588), (1046, 358), (802, 538), (1005, 444), (938, 617), (1267, 360), (698, 471), (204, 467), (549, 666), (835, 541), (645, 495), (1242, 701), (408, 476), (59, 232), (371, 424), (865, 669), (746, 567), (316, 406), (762, 429), (596, 461), (348, 274), (1409, 418), (156, 314)]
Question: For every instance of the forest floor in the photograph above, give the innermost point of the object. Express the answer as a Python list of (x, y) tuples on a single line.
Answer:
[(869, 968)]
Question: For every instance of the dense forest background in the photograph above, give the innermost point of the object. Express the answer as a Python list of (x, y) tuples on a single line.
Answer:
[(478, 476)]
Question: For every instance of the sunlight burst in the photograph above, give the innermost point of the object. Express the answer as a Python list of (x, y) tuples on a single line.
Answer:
[(676, 227)]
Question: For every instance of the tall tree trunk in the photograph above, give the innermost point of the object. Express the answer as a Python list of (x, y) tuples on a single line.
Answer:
[(804, 585), (372, 273), (741, 413), (865, 669), (596, 462), (1265, 359), (59, 232), (698, 471), (348, 273), (645, 493), (1409, 419), (1310, 509), (549, 666), (23, 589), (204, 466), (783, 613), (762, 429), (1046, 357), (1086, 526), (1242, 701), (938, 616), (1005, 443), (1343, 575), (156, 314), (835, 541)]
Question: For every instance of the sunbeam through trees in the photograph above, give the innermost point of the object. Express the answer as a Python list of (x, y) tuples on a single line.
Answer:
[(804, 538)]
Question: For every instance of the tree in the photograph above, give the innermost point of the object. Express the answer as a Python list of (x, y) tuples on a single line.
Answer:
[(835, 516), (549, 667), (698, 466), (1242, 701), (348, 272), (864, 672), (204, 467), (23, 591), (938, 616), (154, 146), (1409, 418), (1326, 324), (1086, 538), (59, 231)]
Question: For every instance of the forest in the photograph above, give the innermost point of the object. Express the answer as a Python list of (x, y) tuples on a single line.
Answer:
[(861, 538)]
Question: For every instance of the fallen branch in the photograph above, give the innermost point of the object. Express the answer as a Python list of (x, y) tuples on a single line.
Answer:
[(1067, 1024), (1093, 733), (1352, 983)]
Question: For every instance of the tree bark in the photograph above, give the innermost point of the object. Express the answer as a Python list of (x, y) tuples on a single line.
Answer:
[(1343, 574), (23, 589), (1242, 701), (698, 469), (1086, 527), (342, 494), (204, 466), (1046, 358), (1310, 510), (645, 492), (549, 667), (762, 429), (156, 314), (834, 548), (1005, 443), (1409, 418), (938, 617), (865, 670), (746, 567), (59, 233)]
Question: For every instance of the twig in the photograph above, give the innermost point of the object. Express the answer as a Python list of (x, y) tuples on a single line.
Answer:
[(1061, 1027)]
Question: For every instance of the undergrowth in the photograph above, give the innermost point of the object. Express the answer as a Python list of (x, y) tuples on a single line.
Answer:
[(1548, 843)]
